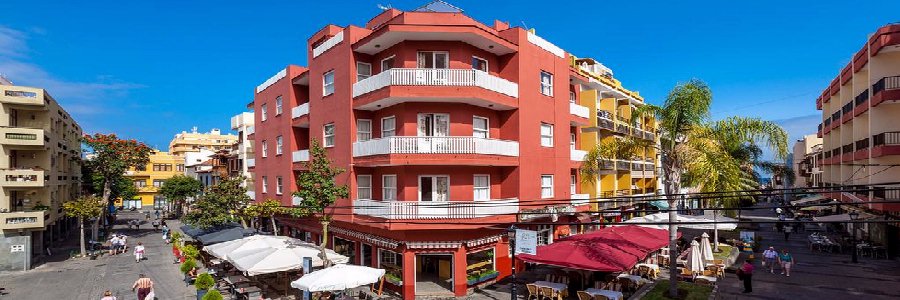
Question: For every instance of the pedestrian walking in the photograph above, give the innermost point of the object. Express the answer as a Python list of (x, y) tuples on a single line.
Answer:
[(746, 275), (108, 296), (786, 260), (139, 252), (114, 245), (147, 216), (157, 214), (165, 232), (787, 231), (770, 257), (156, 225), (143, 286)]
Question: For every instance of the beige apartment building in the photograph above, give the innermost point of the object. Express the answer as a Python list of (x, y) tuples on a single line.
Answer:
[(861, 135), (806, 155), (40, 168), (194, 141)]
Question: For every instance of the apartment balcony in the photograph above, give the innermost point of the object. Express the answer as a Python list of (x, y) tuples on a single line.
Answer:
[(251, 130), (887, 89), (826, 127), (605, 120), (847, 112), (430, 210), (300, 115), (18, 138), (581, 199), (22, 178), (435, 150), (300, 156), (582, 114), (577, 155), (468, 86), (847, 153), (862, 149), (886, 143), (836, 119), (622, 128), (23, 97), (886, 193), (861, 103), (819, 131), (623, 165), (23, 219)]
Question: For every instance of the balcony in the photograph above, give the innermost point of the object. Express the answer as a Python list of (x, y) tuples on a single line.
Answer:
[(847, 152), (836, 119), (886, 193), (300, 156), (22, 178), (251, 162), (418, 210), (23, 219), (20, 95), (847, 112), (440, 150), (580, 112), (469, 86), (819, 131), (22, 137), (605, 120), (862, 149), (578, 155), (886, 143), (581, 199), (250, 130), (623, 165), (623, 128), (300, 110), (826, 127), (861, 103), (886, 89)]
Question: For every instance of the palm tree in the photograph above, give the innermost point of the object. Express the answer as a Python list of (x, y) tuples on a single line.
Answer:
[(691, 144)]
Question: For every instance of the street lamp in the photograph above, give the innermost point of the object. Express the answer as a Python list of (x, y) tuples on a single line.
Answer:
[(511, 232), (853, 216)]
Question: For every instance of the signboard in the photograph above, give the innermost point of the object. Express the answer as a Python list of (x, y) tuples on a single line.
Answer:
[(17, 248), (526, 241)]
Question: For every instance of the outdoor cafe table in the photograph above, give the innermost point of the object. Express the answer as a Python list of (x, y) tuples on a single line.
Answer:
[(612, 295), (250, 292), (635, 278), (710, 278), (559, 287), (653, 267)]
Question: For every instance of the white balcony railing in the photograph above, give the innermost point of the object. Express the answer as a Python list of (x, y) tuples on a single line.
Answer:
[(436, 77), (300, 155), (251, 130), (406, 210), (328, 44), (435, 145), (579, 111), (300, 110), (578, 155), (581, 199), (251, 162)]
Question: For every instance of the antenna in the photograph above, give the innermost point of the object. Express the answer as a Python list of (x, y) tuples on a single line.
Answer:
[(382, 7), (525, 26)]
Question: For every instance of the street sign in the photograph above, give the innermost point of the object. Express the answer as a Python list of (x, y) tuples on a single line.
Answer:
[(526, 241)]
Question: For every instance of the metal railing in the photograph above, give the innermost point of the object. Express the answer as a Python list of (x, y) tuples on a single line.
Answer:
[(435, 145), (862, 144), (886, 83), (861, 98), (436, 77), (886, 138)]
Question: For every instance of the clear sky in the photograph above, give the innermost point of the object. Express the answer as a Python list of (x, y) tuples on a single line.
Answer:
[(150, 69)]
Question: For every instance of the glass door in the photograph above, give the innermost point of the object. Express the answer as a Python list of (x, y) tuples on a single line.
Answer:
[(431, 128), (437, 61), (433, 191)]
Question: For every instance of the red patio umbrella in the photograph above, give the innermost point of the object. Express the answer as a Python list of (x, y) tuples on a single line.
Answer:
[(612, 249)]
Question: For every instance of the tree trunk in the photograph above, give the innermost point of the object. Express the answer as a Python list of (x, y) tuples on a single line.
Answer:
[(325, 262), (671, 181), (274, 229), (104, 215), (81, 235)]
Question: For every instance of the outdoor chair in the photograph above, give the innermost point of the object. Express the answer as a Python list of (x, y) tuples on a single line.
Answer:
[(600, 285), (718, 271), (719, 262), (615, 287), (549, 293), (532, 292), (644, 271), (582, 295)]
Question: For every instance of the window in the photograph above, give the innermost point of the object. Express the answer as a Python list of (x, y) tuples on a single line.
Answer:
[(572, 97), (265, 149), (544, 234), (265, 184), (158, 182), (434, 188), (160, 202), (546, 135), (278, 105), (479, 63), (162, 167), (433, 60), (364, 187), (363, 71), (328, 83), (572, 140), (546, 83), (433, 125), (279, 143), (328, 135), (388, 126), (388, 187), (480, 127), (140, 183), (279, 185), (546, 186), (263, 113), (387, 63), (572, 185), (389, 259), (180, 167), (363, 130), (481, 185)]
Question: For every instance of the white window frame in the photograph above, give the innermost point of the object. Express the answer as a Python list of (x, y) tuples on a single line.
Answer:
[(392, 254), (279, 145), (384, 60), (388, 132), (486, 130), (434, 59), (360, 187), (550, 187), (486, 65), (543, 230), (433, 189), (263, 115), (279, 102), (475, 188), (265, 184), (326, 136), (265, 149), (572, 98), (573, 186), (546, 87), (388, 193), (362, 135), (279, 185), (572, 140), (544, 136), (362, 76), (327, 85)]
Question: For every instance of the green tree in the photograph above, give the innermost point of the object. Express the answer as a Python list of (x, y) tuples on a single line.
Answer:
[(220, 204), (111, 158), (317, 190), (178, 189), (694, 150), (213, 295), (268, 209), (85, 207)]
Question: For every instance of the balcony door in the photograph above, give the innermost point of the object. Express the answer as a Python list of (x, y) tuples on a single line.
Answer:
[(429, 127), (432, 60), (434, 188)]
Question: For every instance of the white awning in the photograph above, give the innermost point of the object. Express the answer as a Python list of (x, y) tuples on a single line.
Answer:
[(814, 198)]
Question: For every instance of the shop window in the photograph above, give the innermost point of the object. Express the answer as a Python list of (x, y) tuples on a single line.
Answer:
[(346, 248), (480, 267), (392, 263), (544, 234), (160, 202)]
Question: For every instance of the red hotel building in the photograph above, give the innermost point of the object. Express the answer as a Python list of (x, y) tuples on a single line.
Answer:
[(446, 128)]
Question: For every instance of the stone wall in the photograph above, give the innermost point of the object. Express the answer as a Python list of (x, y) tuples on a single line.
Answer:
[(15, 253)]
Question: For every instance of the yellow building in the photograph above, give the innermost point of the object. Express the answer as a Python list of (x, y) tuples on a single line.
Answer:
[(612, 105), (193, 141), (150, 178)]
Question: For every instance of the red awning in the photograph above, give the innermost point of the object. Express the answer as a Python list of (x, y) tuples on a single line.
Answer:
[(612, 249)]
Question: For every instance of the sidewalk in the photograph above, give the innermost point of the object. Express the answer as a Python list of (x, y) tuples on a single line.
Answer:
[(815, 275), (87, 279)]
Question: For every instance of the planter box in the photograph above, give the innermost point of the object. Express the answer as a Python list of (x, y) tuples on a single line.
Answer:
[(482, 278)]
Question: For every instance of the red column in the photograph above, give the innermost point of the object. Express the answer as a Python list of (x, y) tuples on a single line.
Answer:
[(502, 259), (409, 275), (459, 272)]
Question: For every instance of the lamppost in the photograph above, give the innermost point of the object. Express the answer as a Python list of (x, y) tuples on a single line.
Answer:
[(853, 216), (511, 232)]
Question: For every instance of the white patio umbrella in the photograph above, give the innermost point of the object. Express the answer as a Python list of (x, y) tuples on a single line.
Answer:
[(271, 260), (338, 278), (664, 217), (256, 242), (694, 261), (705, 249)]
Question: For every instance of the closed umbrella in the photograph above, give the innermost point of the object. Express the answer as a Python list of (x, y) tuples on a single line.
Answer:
[(705, 248), (337, 278), (694, 261)]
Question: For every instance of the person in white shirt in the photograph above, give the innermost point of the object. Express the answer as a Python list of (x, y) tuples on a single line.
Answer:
[(770, 255), (138, 252), (113, 245)]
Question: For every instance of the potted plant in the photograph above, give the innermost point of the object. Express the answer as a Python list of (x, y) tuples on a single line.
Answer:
[(187, 265), (203, 283), (393, 279), (213, 295)]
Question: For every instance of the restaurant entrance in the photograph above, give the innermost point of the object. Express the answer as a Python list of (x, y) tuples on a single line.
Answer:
[(434, 274)]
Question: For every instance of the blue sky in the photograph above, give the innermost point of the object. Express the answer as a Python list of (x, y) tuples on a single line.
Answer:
[(150, 69)]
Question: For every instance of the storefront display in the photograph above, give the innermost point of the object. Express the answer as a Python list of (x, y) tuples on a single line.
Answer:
[(480, 267), (392, 263)]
